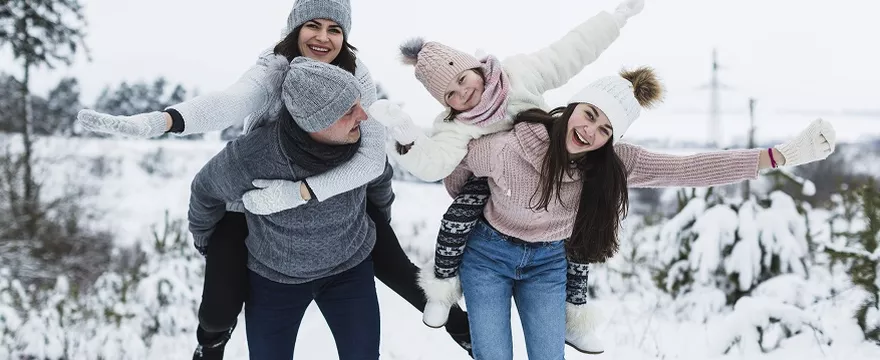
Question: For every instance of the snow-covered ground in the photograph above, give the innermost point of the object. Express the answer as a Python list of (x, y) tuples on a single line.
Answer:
[(137, 181)]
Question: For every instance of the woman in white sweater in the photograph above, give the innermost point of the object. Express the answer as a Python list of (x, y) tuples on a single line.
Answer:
[(317, 29)]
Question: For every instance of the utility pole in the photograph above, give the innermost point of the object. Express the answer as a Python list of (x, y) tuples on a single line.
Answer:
[(715, 104), (747, 188)]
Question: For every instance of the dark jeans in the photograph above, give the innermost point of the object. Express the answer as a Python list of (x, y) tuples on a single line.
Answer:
[(348, 302), (226, 272)]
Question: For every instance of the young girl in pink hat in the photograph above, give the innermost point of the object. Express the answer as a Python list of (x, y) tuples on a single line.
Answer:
[(482, 95)]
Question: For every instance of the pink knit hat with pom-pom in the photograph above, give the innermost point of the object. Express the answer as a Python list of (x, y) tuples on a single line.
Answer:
[(436, 64)]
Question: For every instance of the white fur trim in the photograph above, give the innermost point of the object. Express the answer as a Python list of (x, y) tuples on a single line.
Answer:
[(581, 318), (445, 291)]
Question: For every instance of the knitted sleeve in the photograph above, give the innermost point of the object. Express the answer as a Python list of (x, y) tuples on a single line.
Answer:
[(218, 182), (650, 169), (432, 158), (251, 95), (380, 192), (476, 163), (456, 180), (368, 163), (552, 66)]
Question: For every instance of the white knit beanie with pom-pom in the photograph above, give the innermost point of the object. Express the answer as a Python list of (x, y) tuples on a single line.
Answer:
[(622, 96)]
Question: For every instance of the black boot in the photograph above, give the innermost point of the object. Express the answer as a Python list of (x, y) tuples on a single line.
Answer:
[(463, 340), (458, 328), (211, 344)]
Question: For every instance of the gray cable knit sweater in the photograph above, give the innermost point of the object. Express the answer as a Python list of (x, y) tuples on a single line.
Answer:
[(256, 96), (312, 241)]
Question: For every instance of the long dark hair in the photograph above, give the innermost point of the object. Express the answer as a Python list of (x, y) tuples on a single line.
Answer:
[(604, 197), (289, 47)]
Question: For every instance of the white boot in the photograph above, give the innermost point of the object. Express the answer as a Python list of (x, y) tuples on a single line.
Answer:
[(581, 323), (441, 294)]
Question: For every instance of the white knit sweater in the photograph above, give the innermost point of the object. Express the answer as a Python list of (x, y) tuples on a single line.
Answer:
[(432, 158), (256, 97)]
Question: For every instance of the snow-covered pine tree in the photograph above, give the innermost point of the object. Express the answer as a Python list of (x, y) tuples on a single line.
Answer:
[(171, 282), (859, 251), (13, 305), (46, 333), (717, 255)]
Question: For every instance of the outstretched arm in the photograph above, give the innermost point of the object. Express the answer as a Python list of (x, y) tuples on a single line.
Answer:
[(430, 158), (554, 65), (649, 169), (251, 95)]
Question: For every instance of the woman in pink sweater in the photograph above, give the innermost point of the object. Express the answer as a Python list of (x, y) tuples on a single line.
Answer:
[(558, 184)]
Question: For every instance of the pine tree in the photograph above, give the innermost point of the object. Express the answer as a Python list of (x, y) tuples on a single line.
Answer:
[(717, 256), (863, 258), (62, 103)]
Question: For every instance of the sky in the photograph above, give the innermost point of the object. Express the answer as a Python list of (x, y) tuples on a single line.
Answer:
[(810, 56)]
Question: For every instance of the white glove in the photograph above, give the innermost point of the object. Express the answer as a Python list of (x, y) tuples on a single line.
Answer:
[(147, 125), (272, 196), (400, 125), (627, 9), (814, 143)]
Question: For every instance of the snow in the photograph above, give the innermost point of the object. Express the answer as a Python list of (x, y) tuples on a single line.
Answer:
[(136, 182), (715, 230)]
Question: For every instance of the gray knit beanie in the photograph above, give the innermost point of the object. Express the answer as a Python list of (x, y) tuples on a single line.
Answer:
[(317, 94), (305, 10)]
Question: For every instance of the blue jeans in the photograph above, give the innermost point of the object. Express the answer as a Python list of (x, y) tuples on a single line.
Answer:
[(496, 268), (274, 311)]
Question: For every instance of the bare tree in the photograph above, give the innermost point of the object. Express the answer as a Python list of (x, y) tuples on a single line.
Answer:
[(39, 33)]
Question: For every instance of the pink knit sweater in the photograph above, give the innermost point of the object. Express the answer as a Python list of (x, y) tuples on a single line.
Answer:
[(512, 161)]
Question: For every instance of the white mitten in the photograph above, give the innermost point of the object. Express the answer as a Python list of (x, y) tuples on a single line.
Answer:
[(442, 295), (581, 322), (399, 123), (628, 9), (147, 125), (814, 143), (272, 196)]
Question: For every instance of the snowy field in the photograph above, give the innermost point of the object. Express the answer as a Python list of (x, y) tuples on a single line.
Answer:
[(136, 181)]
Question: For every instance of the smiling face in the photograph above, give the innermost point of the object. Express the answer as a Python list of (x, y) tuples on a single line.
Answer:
[(320, 39), (588, 129), (346, 130), (465, 90)]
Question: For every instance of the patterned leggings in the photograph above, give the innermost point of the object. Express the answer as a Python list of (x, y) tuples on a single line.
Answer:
[(459, 220)]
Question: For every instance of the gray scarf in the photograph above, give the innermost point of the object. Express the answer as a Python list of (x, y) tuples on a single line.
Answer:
[(303, 151)]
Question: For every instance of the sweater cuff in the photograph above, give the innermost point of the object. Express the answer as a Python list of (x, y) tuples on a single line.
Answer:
[(177, 124)]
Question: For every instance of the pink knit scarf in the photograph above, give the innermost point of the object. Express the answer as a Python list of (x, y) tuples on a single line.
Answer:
[(493, 104)]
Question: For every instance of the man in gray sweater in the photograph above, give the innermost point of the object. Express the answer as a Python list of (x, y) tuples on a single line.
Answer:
[(318, 251)]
